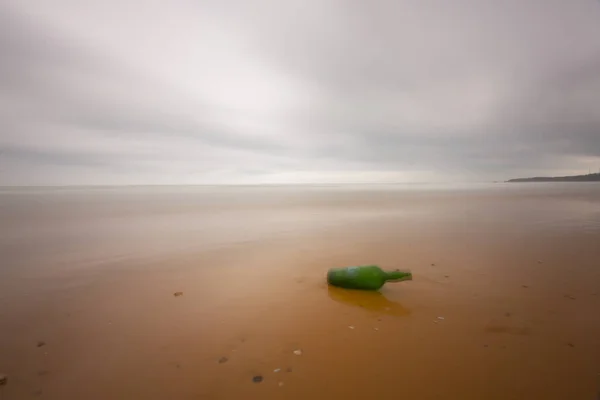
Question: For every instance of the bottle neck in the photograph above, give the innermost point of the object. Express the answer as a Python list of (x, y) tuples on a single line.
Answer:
[(398, 276)]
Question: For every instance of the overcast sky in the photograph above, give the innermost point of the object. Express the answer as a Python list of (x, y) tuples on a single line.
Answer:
[(270, 91)]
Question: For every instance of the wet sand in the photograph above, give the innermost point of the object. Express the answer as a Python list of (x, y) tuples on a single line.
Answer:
[(505, 301)]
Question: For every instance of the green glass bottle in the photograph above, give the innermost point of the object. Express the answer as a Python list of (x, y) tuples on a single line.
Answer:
[(365, 277)]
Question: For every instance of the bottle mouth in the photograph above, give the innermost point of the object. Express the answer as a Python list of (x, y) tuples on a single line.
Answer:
[(398, 276)]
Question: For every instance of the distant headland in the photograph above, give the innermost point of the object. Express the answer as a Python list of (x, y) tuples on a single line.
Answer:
[(575, 178)]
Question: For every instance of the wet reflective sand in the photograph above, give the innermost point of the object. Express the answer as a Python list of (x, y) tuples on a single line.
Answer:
[(504, 303)]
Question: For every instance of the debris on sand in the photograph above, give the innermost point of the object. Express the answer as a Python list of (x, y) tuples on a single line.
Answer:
[(298, 352), (351, 327), (525, 286), (3, 379), (177, 294), (223, 360), (41, 343), (257, 379), (277, 370)]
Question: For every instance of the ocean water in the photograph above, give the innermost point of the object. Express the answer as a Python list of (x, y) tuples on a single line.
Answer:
[(82, 227)]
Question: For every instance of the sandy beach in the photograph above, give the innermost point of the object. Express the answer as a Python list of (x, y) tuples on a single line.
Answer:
[(504, 303)]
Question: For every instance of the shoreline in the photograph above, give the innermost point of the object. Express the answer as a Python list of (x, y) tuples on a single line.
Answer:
[(518, 298), (257, 314)]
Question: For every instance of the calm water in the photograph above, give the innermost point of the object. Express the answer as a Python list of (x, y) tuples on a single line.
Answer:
[(69, 228)]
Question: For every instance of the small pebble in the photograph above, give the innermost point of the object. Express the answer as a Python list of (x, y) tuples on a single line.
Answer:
[(507, 314), (177, 294), (41, 343), (485, 345), (446, 276), (571, 344), (525, 286), (277, 370), (257, 379), (223, 360), (379, 319), (351, 327), (375, 329), (568, 296), (433, 265), (539, 261), (280, 384), (3, 379), (441, 318), (289, 369), (298, 352)]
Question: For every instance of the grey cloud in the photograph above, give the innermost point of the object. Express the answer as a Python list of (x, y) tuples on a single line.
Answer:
[(478, 89), (53, 158), (37, 70)]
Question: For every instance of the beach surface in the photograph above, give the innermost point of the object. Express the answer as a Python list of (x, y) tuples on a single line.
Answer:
[(504, 303)]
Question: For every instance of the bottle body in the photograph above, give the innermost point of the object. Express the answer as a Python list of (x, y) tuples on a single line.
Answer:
[(365, 277)]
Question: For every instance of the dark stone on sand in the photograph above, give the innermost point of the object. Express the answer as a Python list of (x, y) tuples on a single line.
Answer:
[(289, 369), (525, 286), (3, 379), (507, 314), (257, 379), (41, 343), (177, 294), (223, 360), (571, 344)]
